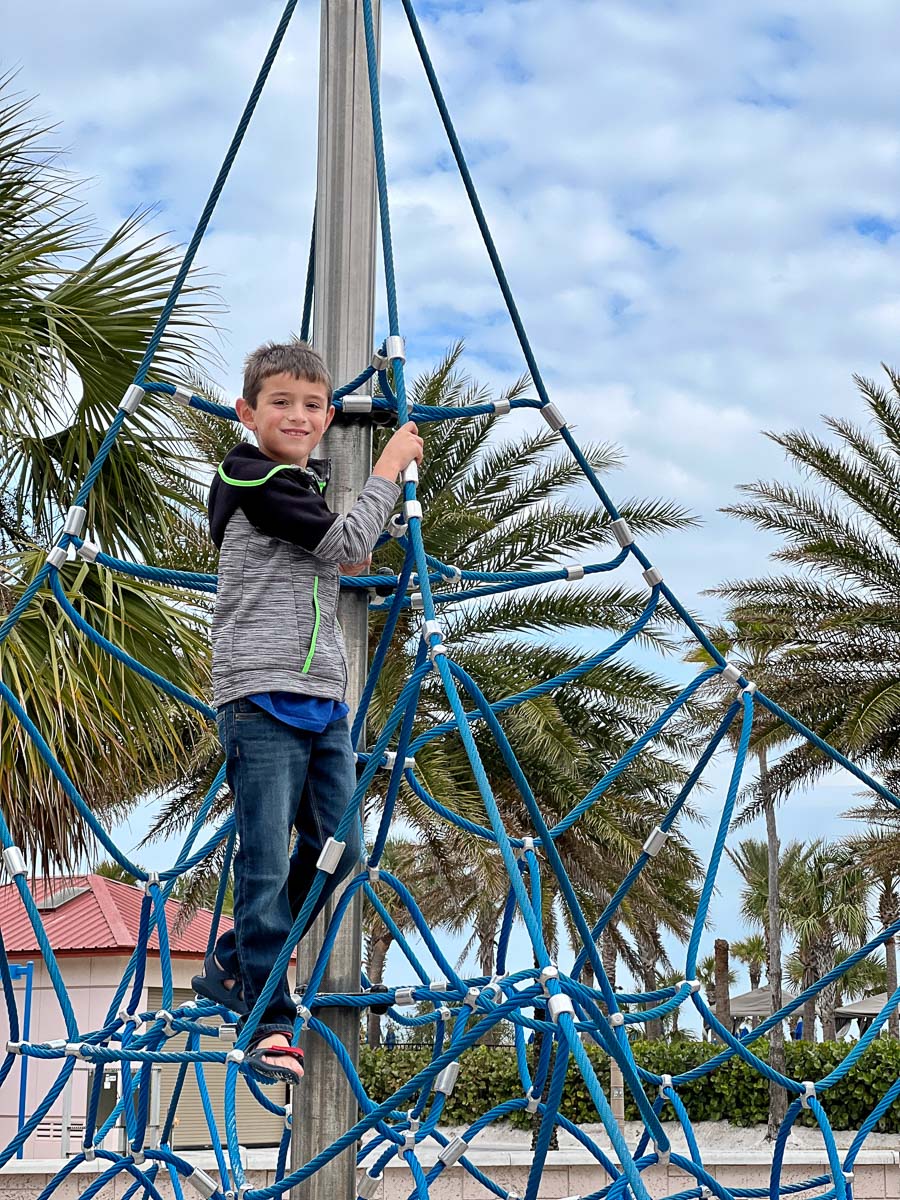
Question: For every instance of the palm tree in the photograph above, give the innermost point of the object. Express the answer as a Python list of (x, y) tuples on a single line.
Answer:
[(834, 621), (826, 908), (76, 310), (746, 647), (752, 951), (500, 505), (706, 974), (877, 850)]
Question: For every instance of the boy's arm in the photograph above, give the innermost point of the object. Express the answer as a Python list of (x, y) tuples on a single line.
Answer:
[(286, 508), (352, 538)]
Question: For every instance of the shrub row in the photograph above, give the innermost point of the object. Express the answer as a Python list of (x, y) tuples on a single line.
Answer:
[(734, 1091)]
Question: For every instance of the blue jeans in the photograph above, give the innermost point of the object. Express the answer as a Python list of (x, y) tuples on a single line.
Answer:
[(280, 777)]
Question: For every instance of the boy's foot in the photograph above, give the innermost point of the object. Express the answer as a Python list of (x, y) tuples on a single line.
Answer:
[(274, 1060), (216, 985)]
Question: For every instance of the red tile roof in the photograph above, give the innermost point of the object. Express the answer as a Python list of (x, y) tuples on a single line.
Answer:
[(101, 917)]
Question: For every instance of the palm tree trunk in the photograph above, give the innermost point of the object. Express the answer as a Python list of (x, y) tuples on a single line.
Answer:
[(608, 955), (777, 1094), (723, 997), (378, 949), (809, 1008), (890, 968)]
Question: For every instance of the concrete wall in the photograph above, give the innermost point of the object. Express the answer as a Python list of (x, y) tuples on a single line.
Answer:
[(568, 1174)]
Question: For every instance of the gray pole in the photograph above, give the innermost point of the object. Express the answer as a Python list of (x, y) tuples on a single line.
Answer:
[(343, 331)]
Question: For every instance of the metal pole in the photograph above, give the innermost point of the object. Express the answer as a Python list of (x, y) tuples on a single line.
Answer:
[(343, 332)]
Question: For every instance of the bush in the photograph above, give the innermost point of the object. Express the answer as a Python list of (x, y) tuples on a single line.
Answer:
[(733, 1092)]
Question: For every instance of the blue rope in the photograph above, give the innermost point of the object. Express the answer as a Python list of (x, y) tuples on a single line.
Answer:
[(462, 1010)]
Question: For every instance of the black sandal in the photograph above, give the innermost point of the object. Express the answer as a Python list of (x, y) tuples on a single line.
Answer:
[(211, 986), (269, 1072)]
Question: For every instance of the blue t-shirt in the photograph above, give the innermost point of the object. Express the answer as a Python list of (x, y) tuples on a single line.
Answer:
[(303, 712)]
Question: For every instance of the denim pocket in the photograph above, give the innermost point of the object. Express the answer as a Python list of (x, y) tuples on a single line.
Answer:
[(246, 710)]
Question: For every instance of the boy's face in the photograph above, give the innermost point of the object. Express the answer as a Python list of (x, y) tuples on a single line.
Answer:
[(290, 417)]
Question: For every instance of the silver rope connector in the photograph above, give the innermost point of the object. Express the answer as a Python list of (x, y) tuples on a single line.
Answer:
[(396, 526), (551, 971), (410, 474), (446, 1081), (453, 1152), (151, 881), (367, 1186), (652, 576), (58, 557), (131, 401), (809, 1092), (14, 861), (391, 758), (356, 404), (621, 531), (501, 407), (666, 1082), (553, 417), (576, 571), (655, 842), (559, 1004), (533, 1101), (182, 395), (412, 508), (88, 551), (394, 351), (75, 518), (433, 629), (202, 1182), (330, 856)]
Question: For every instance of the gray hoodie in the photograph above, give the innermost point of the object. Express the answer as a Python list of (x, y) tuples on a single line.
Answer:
[(275, 627)]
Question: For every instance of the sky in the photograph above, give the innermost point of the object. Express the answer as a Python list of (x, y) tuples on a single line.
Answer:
[(696, 204)]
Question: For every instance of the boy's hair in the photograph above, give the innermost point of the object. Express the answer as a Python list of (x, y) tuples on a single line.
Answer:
[(289, 358)]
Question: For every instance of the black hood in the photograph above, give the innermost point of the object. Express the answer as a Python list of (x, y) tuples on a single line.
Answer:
[(248, 466)]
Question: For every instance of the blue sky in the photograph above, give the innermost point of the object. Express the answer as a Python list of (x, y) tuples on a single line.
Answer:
[(697, 205)]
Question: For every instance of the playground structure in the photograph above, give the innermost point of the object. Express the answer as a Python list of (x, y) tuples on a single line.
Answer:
[(460, 1010)]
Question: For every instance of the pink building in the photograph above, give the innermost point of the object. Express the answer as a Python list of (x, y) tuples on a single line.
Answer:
[(92, 926)]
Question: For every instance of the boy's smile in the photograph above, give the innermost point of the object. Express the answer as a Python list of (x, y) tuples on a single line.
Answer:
[(290, 417)]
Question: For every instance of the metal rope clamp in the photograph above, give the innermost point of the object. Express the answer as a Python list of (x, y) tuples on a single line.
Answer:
[(367, 1186), (394, 351), (397, 526), (429, 629)]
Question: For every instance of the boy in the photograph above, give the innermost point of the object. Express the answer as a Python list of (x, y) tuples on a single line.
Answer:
[(279, 671)]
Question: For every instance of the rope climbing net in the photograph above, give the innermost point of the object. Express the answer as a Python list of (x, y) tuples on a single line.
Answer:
[(459, 1011)]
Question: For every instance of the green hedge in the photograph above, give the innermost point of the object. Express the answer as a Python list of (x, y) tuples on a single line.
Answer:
[(734, 1092)]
